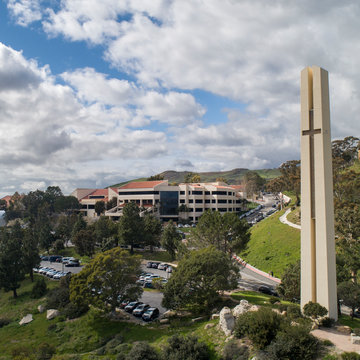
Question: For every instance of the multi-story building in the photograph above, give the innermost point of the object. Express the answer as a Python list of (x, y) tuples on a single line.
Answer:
[(167, 202)]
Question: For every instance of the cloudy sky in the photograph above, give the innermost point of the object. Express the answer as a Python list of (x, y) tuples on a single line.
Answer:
[(96, 92)]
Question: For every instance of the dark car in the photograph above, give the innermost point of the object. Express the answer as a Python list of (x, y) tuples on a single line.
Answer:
[(54, 258), (131, 306), (155, 265), (73, 263), (150, 314), (149, 264), (268, 291), (148, 285), (139, 310)]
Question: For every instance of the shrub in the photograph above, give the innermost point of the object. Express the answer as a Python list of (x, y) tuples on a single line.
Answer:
[(330, 357), (350, 356), (45, 351), (22, 353), (327, 322), (142, 351), (327, 342), (52, 327), (293, 312), (273, 300), (58, 298), (235, 351), (356, 331), (72, 311), (39, 289), (295, 343), (260, 327), (314, 310), (185, 348), (4, 321)]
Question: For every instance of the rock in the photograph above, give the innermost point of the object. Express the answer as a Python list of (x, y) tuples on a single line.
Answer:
[(284, 313), (215, 316), (41, 308), (343, 329), (254, 308), (169, 314), (26, 319), (243, 307), (164, 321), (229, 338), (209, 326), (52, 313), (227, 321), (355, 339)]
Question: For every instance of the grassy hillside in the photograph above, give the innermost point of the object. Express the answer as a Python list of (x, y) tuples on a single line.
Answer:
[(273, 245), (232, 176)]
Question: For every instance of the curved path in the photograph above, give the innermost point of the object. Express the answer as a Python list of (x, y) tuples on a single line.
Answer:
[(284, 220)]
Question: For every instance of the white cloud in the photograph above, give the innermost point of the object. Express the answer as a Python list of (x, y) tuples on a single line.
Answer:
[(25, 11)]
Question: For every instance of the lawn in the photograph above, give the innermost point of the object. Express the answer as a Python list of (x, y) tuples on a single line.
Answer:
[(273, 245), (257, 298), (294, 216)]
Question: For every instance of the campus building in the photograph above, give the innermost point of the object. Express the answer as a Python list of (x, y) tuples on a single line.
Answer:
[(167, 202)]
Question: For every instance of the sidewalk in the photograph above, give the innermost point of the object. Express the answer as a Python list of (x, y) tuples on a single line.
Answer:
[(284, 220)]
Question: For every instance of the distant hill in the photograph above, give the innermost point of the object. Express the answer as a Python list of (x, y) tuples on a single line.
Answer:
[(232, 176)]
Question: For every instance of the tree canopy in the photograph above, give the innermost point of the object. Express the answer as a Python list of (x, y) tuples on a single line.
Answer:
[(107, 280), (199, 277)]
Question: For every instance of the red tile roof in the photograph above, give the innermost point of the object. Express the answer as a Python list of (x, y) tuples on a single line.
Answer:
[(142, 184), (7, 198), (98, 192), (238, 187)]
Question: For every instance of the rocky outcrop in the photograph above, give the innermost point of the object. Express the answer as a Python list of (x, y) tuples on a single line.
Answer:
[(26, 319), (226, 321), (52, 314)]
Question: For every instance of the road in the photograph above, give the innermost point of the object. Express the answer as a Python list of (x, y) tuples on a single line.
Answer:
[(251, 280)]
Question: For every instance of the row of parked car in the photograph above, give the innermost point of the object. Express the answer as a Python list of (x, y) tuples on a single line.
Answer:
[(146, 280), (67, 261), (51, 272), (160, 266), (139, 309)]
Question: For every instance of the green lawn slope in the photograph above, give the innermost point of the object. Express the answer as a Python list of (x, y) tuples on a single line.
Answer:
[(273, 245)]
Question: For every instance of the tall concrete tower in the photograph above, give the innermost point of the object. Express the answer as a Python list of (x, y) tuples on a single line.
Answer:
[(318, 265)]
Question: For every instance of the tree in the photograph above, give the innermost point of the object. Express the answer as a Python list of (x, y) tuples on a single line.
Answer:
[(289, 289), (106, 233), (2, 204), (99, 207), (30, 252), (253, 183), (344, 152), (131, 226), (170, 239), (226, 232), (192, 178), (314, 310), (349, 293), (107, 280), (11, 262), (111, 203), (84, 242), (221, 179), (44, 233), (199, 277), (79, 224), (152, 231), (155, 177), (67, 204)]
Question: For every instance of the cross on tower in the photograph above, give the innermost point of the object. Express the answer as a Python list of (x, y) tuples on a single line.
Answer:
[(311, 132)]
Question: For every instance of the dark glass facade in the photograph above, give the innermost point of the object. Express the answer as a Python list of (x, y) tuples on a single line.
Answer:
[(169, 202)]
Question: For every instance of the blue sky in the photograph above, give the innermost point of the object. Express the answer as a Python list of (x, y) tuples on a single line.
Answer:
[(93, 93)]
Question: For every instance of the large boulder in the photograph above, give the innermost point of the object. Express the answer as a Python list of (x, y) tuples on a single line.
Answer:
[(52, 314), (243, 307), (169, 314), (226, 321), (26, 319)]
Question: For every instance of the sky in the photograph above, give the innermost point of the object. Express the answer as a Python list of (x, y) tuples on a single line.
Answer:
[(93, 93)]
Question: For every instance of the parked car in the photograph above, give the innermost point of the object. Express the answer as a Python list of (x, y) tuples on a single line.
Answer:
[(149, 264), (139, 310), (44, 258), (268, 291), (54, 258), (169, 269), (162, 266), (155, 265), (148, 285), (131, 306), (73, 263), (150, 314), (124, 303)]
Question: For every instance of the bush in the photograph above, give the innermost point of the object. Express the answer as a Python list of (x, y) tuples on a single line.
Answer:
[(4, 322), (45, 351), (22, 353), (295, 343), (260, 327), (185, 348), (293, 312), (235, 351), (350, 356), (58, 298), (327, 322), (142, 351), (72, 311), (273, 300), (330, 357), (314, 310), (356, 331), (39, 289), (327, 342)]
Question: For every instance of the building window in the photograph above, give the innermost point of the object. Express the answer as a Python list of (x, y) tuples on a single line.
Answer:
[(191, 210), (222, 209), (207, 201), (197, 192), (96, 197), (230, 209), (213, 201), (220, 201), (182, 192), (198, 209), (191, 201), (230, 201), (207, 192), (91, 206), (182, 201), (218, 193), (169, 201), (198, 201), (84, 206)]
